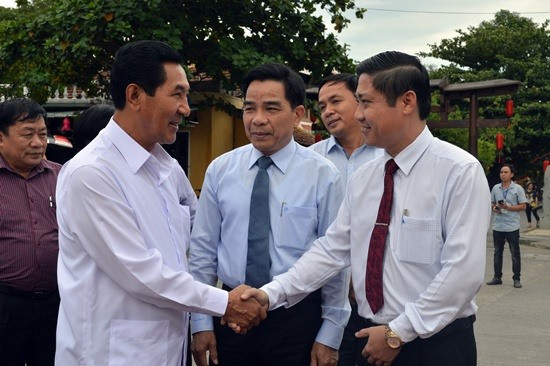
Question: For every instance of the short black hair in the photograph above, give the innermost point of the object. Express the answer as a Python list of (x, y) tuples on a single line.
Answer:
[(19, 110), (350, 80), (140, 63), (295, 88), (394, 73), (509, 166), (89, 123)]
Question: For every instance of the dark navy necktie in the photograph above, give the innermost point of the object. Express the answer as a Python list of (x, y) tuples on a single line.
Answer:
[(375, 260), (258, 261)]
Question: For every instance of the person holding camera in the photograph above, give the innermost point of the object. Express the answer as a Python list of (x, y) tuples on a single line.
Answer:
[(507, 200)]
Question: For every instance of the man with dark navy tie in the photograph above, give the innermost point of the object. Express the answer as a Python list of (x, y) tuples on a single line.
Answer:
[(261, 207)]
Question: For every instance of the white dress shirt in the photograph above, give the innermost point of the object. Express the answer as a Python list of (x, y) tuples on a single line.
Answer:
[(332, 150), (124, 224), (305, 191), (434, 261)]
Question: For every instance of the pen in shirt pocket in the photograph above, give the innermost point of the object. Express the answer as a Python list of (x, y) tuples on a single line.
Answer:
[(405, 214)]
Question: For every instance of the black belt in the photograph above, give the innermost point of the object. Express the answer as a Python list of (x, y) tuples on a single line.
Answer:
[(7, 290), (226, 288), (456, 326)]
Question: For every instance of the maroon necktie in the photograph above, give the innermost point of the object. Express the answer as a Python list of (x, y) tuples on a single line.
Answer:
[(373, 283)]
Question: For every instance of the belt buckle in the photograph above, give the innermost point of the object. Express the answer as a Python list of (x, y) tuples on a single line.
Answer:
[(39, 294)]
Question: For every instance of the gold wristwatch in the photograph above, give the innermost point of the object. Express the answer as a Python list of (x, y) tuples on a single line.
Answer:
[(392, 339)]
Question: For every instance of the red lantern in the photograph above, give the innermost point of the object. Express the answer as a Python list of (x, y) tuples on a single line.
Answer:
[(318, 137), (500, 141), (545, 164), (509, 108), (66, 126), (312, 117)]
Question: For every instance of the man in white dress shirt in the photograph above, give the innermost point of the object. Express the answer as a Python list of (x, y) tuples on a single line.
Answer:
[(434, 259), (305, 192), (347, 149), (125, 209)]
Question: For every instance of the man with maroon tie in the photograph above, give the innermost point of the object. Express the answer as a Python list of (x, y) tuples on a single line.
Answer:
[(412, 226)]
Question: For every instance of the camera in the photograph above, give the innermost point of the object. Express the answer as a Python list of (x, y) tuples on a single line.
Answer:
[(502, 203)]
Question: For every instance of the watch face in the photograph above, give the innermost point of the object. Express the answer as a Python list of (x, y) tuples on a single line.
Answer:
[(394, 342)]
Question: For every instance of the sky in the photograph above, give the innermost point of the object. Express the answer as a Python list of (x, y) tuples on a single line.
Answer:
[(411, 32), (410, 28)]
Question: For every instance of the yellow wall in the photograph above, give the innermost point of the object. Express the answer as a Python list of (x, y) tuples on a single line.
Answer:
[(240, 138), (200, 149), (222, 133), (216, 133)]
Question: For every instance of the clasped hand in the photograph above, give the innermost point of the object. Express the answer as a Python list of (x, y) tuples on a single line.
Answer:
[(377, 352), (245, 309)]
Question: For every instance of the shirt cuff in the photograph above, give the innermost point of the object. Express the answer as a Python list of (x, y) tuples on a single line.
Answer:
[(201, 323), (276, 294), (330, 334), (403, 327), (216, 300)]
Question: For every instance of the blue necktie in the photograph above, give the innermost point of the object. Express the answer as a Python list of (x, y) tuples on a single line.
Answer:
[(258, 261)]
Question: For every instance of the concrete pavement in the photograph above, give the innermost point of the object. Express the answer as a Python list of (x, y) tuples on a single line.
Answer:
[(513, 325)]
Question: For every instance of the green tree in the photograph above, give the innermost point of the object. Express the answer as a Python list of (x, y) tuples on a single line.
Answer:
[(513, 47), (52, 43)]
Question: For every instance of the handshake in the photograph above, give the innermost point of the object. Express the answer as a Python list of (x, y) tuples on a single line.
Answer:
[(246, 307)]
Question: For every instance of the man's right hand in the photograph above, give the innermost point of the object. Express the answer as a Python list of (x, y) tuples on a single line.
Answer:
[(250, 294), (243, 314), (202, 342), (260, 296)]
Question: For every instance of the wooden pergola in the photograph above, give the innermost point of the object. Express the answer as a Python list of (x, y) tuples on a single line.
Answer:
[(472, 91)]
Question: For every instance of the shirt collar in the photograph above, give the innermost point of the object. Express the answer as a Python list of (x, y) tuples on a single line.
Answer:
[(36, 170), (136, 156), (410, 155), (161, 163), (510, 186), (281, 158), (332, 143)]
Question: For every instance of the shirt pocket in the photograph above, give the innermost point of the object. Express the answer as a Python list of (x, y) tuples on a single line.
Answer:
[(295, 227), (138, 342), (417, 241)]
